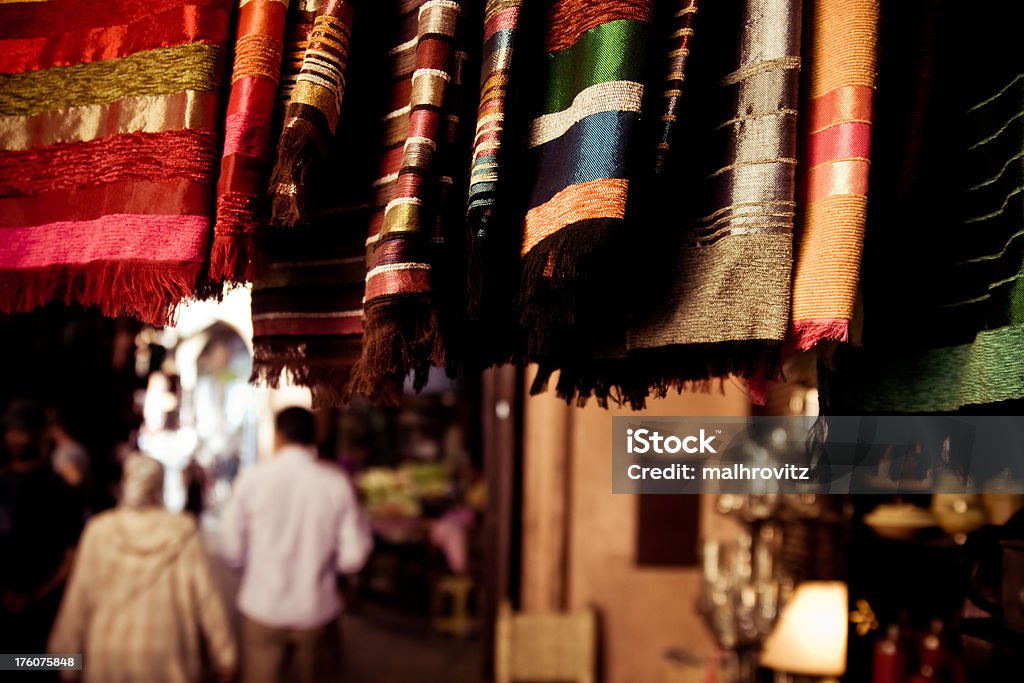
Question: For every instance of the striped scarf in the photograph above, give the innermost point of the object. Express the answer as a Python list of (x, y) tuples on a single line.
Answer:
[(501, 21), (581, 141), (240, 189), (313, 110), (835, 168), (680, 37), (401, 317), (943, 273), (108, 143), (308, 287), (723, 275), (618, 319), (488, 171)]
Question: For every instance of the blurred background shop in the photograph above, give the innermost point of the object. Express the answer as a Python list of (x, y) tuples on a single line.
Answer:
[(500, 551)]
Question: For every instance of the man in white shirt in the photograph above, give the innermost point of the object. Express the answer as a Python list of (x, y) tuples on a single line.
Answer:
[(292, 524)]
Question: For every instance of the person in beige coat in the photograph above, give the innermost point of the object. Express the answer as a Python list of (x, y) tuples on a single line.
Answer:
[(141, 599)]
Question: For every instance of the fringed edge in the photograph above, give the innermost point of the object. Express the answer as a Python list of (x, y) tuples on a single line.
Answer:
[(493, 335), (148, 291), (804, 335), (231, 259), (630, 381), (400, 336), (298, 151), (326, 378), (556, 273), (232, 253)]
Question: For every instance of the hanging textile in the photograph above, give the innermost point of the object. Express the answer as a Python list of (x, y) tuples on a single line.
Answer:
[(313, 110), (944, 259), (108, 151), (307, 304), (582, 138), (401, 323), (501, 22), (243, 171), (613, 317), (680, 37), (835, 168), (308, 287), (722, 277)]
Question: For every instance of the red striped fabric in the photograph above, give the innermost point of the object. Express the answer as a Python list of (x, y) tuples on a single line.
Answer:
[(245, 166), (107, 167), (191, 23)]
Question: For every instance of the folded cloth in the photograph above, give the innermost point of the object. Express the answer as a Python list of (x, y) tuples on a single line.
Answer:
[(583, 138), (669, 262), (488, 173), (657, 236), (109, 120)]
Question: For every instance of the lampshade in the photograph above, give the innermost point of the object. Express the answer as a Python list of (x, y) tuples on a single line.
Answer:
[(810, 637)]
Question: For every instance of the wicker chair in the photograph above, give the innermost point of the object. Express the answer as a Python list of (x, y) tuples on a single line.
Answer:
[(545, 647)]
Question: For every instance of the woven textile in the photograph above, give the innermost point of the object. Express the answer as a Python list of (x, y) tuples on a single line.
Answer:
[(675, 75), (401, 333), (836, 165), (944, 254), (501, 20), (489, 174), (592, 103), (243, 172), (308, 287), (108, 142), (313, 110), (582, 141), (724, 288)]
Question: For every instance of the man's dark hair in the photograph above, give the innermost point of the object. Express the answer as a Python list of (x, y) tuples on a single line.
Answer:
[(296, 425)]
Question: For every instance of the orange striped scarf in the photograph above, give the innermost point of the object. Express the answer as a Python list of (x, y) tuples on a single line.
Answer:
[(842, 64)]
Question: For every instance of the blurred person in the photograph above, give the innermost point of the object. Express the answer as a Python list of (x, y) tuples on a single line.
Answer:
[(292, 524), (69, 457), (142, 604), (39, 527)]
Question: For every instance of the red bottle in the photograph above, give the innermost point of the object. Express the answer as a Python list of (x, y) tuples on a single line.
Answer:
[(890, 658), (925, 675), (933, 651)]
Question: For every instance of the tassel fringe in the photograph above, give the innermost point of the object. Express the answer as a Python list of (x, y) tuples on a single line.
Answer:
[(630, 381), (806, 334), (298, 151), (231, 257), (401, 336), (324, 366), (556, 302), (150, 292)]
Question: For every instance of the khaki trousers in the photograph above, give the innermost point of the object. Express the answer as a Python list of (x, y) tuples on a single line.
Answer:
[(274, 655)]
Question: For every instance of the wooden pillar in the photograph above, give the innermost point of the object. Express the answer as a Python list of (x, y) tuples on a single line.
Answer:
[(547, 499), (501, 402)]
